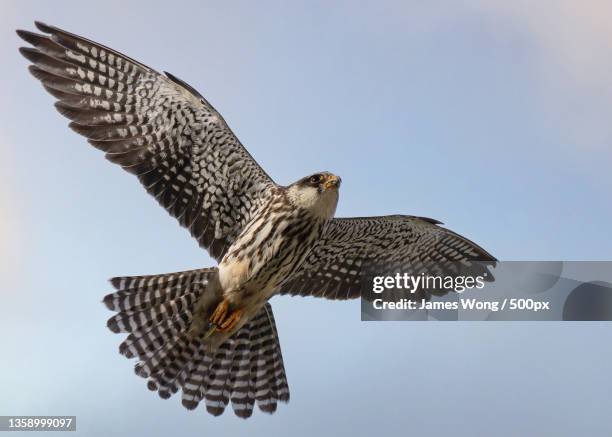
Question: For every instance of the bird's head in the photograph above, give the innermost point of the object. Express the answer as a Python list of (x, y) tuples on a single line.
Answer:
[(318, 193)]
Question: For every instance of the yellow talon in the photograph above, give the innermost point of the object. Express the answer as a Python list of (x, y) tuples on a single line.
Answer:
[(219, 313), (229, 323), (220, 320)]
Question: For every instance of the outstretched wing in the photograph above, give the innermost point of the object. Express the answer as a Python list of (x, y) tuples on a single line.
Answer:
[(156, 127), (352, 248)]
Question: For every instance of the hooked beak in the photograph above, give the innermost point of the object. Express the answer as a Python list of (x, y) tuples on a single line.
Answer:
[(333, 182)]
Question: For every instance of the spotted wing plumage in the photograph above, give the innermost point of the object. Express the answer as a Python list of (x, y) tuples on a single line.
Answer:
[(156, 127), (350, 248)]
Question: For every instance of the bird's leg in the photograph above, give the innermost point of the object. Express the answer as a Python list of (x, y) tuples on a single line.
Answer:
[(220, 321)]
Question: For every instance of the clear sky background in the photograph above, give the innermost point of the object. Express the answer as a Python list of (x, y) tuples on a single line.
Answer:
[(491, 116)]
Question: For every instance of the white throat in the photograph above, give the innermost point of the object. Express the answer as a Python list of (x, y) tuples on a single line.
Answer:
[(321, 204)]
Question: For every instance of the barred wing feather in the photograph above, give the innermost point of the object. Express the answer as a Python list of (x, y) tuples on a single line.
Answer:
[(350, 248), (156, 127)]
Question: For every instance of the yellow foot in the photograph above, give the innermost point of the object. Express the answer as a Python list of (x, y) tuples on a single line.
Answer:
[(219, 313), (220, 320), (229, 323)]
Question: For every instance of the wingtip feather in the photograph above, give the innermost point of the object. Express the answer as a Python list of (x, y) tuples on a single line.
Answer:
[(30, 53), (66, 110), (43, 27), (23, 34), (39, 73)]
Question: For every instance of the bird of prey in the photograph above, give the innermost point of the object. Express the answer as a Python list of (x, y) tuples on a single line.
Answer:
[(210, 332)]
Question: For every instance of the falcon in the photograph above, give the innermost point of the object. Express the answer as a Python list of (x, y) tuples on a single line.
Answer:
[(210, 332)]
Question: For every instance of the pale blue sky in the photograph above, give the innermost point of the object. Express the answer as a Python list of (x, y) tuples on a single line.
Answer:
[(492, 118)]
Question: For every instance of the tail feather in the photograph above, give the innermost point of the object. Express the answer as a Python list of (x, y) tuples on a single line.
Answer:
[(146, 341), (278, 389), (148, 365), (152, 290), (168, 371), (214, 381), (242, 349), (133, 320), (157, 311), (262, 377), (242, 394), (192, 393)]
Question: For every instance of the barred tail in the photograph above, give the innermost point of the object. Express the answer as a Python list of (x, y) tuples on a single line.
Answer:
[(157, 311)]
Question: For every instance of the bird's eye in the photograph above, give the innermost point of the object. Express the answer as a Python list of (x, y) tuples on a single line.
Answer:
[(315, 179)]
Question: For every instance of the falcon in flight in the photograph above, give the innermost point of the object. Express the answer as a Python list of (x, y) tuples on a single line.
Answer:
[(210, 332)]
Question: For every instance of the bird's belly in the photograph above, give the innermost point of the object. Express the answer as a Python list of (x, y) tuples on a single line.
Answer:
[(255, 279), (265, 255)]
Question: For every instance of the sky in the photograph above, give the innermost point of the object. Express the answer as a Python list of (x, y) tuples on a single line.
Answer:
[(490, 116)]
